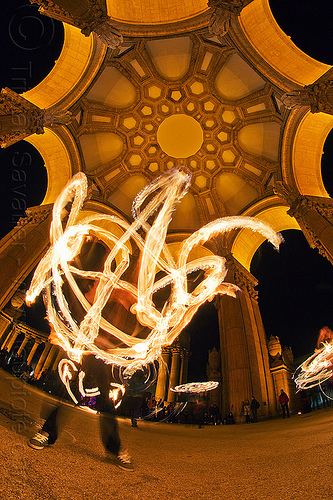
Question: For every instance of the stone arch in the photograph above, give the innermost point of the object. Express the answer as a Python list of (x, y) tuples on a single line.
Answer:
[(76, 55), (275, 47), (307, 151), (58, 162), (247, 242)]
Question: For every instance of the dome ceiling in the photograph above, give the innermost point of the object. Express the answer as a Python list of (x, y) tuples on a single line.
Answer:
[(185, 100), (156, 11)]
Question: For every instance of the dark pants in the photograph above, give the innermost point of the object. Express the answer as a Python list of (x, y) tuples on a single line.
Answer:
[(99, 375), (285, 410)]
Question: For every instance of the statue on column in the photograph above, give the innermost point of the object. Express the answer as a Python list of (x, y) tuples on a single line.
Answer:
[(88, 15), (20, 118)]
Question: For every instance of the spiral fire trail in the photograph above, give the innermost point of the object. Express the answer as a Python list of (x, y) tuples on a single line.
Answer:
[(152, 212)]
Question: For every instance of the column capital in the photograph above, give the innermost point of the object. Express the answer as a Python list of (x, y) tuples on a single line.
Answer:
[(222, 11), (20, 118), (88, 15), (242, 277), (35, 215), (317, 96)]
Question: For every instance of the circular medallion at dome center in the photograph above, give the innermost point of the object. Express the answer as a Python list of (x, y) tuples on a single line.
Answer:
[(180, 136)]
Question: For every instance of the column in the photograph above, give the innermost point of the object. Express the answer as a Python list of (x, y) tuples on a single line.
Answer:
[(50, 357), (22, 248), (174, 374), (60, 355), (12, 337), (41, 360), (162, 378), (5, 327), (32, 352), (244, 354), (24, 343), (183, 367)]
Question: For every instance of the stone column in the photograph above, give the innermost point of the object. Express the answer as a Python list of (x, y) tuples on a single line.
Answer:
[(32, 352), (222, 13), (50, 357), (41, 360), (9, 342), (244, 354), (24, 343), (161, 385), (5, 327), (183, 367), (23, 247), (60, 355), (19, 118), (174, 374)]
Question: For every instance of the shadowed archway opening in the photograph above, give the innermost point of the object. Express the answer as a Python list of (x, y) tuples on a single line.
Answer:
[(295, 291)]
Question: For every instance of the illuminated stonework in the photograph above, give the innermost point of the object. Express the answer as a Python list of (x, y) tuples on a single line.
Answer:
[(180, 136), (194, 121)]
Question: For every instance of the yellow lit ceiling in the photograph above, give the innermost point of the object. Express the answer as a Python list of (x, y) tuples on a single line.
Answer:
[(208, 103), (154, 11), (183, 100)]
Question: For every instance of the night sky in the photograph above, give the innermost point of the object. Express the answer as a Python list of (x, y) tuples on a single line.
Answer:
[(295, 285)]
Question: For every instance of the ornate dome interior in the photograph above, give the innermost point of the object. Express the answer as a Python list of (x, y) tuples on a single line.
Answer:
[(178, 91)]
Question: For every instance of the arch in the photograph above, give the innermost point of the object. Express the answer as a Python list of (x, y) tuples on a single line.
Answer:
[(307, 151), (247, 242), (113, 89), (57, 162), (275, 47), (156, 11), (68, 70)]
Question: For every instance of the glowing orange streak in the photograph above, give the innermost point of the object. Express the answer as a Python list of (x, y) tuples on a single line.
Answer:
[(178, 310), (315, 369)]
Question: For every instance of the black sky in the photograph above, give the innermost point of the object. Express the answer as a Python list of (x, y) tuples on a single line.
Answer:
[(295, 285)]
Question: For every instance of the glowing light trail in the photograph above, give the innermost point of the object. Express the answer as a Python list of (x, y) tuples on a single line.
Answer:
[(196, 387), (316, 369), (157, 202)]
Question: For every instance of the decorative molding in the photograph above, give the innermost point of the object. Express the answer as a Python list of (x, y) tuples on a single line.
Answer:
[(300, 206), (19, 118), (89, 17), (243, 278), (318, 97), (35, 215), (222, 12)]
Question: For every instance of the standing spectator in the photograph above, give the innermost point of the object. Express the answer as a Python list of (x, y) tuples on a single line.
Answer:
[(247, 411), (284, 402), (255, 405)]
